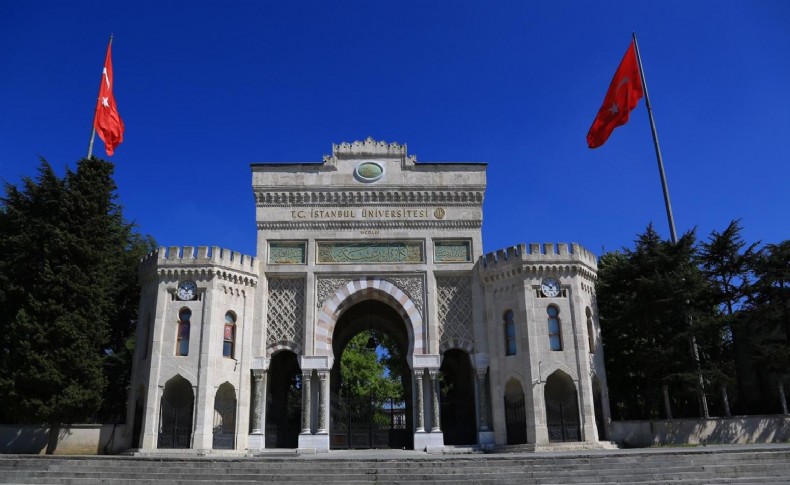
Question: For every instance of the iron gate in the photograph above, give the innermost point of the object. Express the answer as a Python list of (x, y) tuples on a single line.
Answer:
[(176, 425), (563, 420), (516, 421), (367, 423)]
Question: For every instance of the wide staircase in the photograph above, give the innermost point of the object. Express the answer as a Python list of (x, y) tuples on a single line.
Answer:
[(711, 465)]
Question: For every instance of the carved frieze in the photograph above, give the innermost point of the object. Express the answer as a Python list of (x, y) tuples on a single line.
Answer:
[(370, 252), (412, 286), (454, 307)]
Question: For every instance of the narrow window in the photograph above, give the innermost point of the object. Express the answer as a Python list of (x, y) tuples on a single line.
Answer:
[(555, 336), (229, 335), (510, 333), (590, 331), (146, 336), (182, 345)]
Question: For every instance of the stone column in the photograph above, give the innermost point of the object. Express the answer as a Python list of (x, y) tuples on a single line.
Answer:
[(306, 401), (323, 397), (258, 388), (483, 401), (420, 410), (435, 417)]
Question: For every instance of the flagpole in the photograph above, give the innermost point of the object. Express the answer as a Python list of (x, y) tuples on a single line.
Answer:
[(95, 111), (664, 187)]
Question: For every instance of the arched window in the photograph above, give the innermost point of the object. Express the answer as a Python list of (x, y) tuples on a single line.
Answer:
[(182, 344), (555, 336), (229, 335), (590, 331), (510, 333)]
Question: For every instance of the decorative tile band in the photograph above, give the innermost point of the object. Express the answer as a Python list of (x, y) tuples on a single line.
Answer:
[(287, 252), (452, 251), (370, 252)]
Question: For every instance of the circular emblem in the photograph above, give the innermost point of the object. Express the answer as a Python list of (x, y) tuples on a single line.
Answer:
[(439, 213), (369, 171)]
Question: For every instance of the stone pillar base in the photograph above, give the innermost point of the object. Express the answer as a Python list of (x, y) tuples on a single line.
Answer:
[(318, 443), (430, 442), (485, 438), (256, 442)]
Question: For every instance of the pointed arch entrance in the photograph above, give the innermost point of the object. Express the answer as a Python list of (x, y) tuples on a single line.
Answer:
[(458, 398), (284, 401), (373, 411), (175, 425), (562, 408)]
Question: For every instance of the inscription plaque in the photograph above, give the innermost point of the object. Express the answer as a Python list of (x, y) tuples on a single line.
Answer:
[(370, 252)]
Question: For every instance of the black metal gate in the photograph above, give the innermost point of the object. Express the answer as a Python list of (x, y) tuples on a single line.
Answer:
[(284, 422), (516, 421), (176, 425), (562, 418), (366, 423), (224, 425)]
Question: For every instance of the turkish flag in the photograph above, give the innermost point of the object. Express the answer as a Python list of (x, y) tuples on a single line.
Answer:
[(107, 122), (624, 93)]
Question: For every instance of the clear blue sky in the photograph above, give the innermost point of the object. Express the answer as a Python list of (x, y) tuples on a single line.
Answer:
[(206, 88)]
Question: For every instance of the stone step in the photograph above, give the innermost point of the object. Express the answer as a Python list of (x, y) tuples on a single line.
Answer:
[(766, 466)]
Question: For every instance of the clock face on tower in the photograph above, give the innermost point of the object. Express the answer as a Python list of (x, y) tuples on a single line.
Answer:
[(550, 287), (187, 290)]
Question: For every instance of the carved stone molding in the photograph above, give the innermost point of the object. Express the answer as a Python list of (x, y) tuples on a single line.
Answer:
[(352, 225), (413, 286), (264, 197)]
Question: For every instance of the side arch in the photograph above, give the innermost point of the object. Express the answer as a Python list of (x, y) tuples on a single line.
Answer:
[(283, 345), (460, 344), (368, 289)]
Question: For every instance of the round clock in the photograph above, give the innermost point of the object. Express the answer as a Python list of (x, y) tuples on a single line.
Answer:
[(550, 287), (187, 290)]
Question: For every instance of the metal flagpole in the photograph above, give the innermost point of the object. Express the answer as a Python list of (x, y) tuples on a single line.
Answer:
[(667, 203), (703, 401), (95, 111)]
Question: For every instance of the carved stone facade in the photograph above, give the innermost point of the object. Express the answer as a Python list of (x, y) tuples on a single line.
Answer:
[(368, 238)]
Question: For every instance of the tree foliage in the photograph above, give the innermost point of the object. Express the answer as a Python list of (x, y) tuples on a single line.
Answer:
[(373, 372), (725, 294), (68, 296)]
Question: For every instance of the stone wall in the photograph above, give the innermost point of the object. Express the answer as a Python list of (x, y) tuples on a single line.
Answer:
[(736, 430), (74, 439)]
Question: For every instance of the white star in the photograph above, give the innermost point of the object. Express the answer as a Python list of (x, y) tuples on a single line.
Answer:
[(105, 102), (614, 109)]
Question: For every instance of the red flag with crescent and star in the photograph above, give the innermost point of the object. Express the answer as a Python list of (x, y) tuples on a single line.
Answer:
[(624, 93), (107, 122)]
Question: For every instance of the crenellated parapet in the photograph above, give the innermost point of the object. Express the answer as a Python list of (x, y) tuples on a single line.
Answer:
[(201, 261), (537, 258)]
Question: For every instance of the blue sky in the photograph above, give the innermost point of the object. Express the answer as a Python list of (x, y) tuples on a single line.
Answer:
[(206, 88)]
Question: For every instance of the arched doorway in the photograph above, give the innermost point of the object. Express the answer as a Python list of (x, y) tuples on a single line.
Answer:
[(284, 401), (370, 381), (225, 418), (137, 427), (600, 425), (458, 399), (175, 421), (562, 408), (515, 413)]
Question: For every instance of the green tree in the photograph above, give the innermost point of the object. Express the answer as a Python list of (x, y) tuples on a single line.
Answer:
[(67, 293), (652, 300), (728, 264), (365, 371), (769, 316)]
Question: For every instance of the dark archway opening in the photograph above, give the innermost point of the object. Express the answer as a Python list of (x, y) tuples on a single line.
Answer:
[(458, 421), (175, 428), (600, 425), (562, 408), (370, 381), (515, 413), (224, 426), (283, 401)]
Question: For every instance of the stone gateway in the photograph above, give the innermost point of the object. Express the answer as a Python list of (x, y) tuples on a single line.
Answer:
[(238, 352)]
